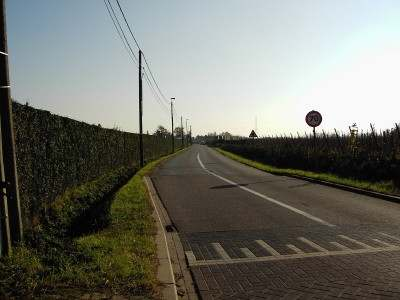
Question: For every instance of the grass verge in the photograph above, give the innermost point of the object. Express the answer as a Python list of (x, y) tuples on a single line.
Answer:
[(117, 258), (386, 187)]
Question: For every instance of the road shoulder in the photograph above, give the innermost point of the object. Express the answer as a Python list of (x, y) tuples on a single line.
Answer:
[(288, 173), (173, 272)]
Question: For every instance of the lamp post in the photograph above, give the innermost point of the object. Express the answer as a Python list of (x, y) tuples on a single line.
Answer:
[(172, 125), (186, 132)]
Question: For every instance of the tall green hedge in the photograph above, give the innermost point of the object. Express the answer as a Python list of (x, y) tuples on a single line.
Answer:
[(55, 153)]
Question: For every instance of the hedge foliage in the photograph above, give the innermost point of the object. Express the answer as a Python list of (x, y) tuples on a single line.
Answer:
[(370, 156), (55, 153), (50, 251)]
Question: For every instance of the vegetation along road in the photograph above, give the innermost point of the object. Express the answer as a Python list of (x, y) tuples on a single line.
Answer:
[(249, 234)]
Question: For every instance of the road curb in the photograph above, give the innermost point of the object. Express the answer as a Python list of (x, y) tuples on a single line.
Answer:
[(388, 197), (165, 274), (173, 273), (348, 188)]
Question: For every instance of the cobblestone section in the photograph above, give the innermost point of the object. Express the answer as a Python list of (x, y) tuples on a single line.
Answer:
[(353, 276)]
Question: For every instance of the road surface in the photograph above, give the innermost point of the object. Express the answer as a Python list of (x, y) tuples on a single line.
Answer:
[(248, 234)]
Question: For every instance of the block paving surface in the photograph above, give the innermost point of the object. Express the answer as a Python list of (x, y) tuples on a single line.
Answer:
[(373, 275)]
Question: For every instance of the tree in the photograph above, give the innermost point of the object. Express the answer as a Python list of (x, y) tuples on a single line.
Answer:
[(178, 132), (161, 131)]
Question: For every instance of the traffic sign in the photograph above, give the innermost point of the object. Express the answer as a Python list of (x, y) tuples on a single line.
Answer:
[(253, 134), (313, 119)]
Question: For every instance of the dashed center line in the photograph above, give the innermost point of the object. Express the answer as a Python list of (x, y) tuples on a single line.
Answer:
[(291, 208)]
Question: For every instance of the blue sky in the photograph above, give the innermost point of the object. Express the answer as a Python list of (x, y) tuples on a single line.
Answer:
[(226, 62)]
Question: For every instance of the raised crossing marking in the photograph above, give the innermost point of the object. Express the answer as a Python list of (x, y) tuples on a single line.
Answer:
[(190, 257), (382, 243), (390, 236), (267, 247), (312, 244), (221, 251), (295, 249), (354, 241), (299, 254), (247, 252), (340, 246), (293, 209)]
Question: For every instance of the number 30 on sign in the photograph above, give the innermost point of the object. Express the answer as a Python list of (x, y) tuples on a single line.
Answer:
[(313, 118)]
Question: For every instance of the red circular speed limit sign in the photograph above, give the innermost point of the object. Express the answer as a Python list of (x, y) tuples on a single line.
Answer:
[(313, 118)]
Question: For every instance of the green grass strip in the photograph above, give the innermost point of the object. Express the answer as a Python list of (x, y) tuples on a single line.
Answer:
[(386, 187), (119, 259), (125, 252)]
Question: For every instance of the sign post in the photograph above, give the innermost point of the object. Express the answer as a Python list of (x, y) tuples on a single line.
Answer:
[(314, 119)]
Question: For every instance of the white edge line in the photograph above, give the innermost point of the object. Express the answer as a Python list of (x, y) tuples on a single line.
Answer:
[(165, 238), (298, 211)]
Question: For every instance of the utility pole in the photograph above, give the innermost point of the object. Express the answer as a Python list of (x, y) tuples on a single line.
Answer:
[(186, 133), (9, 179), (182, 132), (140, 111), (190, 134), (172, 125)]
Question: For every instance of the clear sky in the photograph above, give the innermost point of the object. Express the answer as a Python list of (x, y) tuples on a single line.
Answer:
[(225, 61)]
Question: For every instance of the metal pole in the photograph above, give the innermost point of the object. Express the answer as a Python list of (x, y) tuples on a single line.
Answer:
[(315, 139), (140, 111), (186, 138), (8, 140), (172, 125), (182, 132)]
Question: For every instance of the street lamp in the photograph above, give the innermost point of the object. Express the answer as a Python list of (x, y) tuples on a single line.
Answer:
[(172, 125), (186, 132)]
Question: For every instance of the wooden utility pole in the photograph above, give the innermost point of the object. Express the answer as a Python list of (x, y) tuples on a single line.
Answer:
[(182, 132), (190, 134), (172, 125), (140, 111), (9, 180)]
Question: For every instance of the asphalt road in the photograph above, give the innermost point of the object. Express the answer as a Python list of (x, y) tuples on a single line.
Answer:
[(252, 235)]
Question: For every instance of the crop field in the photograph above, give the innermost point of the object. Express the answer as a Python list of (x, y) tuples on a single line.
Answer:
[(370, 156)]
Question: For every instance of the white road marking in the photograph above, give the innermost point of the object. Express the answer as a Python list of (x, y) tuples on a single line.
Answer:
[(340, 246), (291, 208), (312, 244), (354, 241), (221, 251), (287, 256), (267, 247), (190, 257), (247, 252), (295, 249), (383, 243), (390, 236)]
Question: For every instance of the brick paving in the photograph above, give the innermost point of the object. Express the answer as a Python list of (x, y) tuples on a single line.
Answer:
[(353, 276)]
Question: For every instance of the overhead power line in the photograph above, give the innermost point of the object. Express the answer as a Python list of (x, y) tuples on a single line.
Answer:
[(144, 56), (150, 80), (156, 96), (127, 24), (120, 31)]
